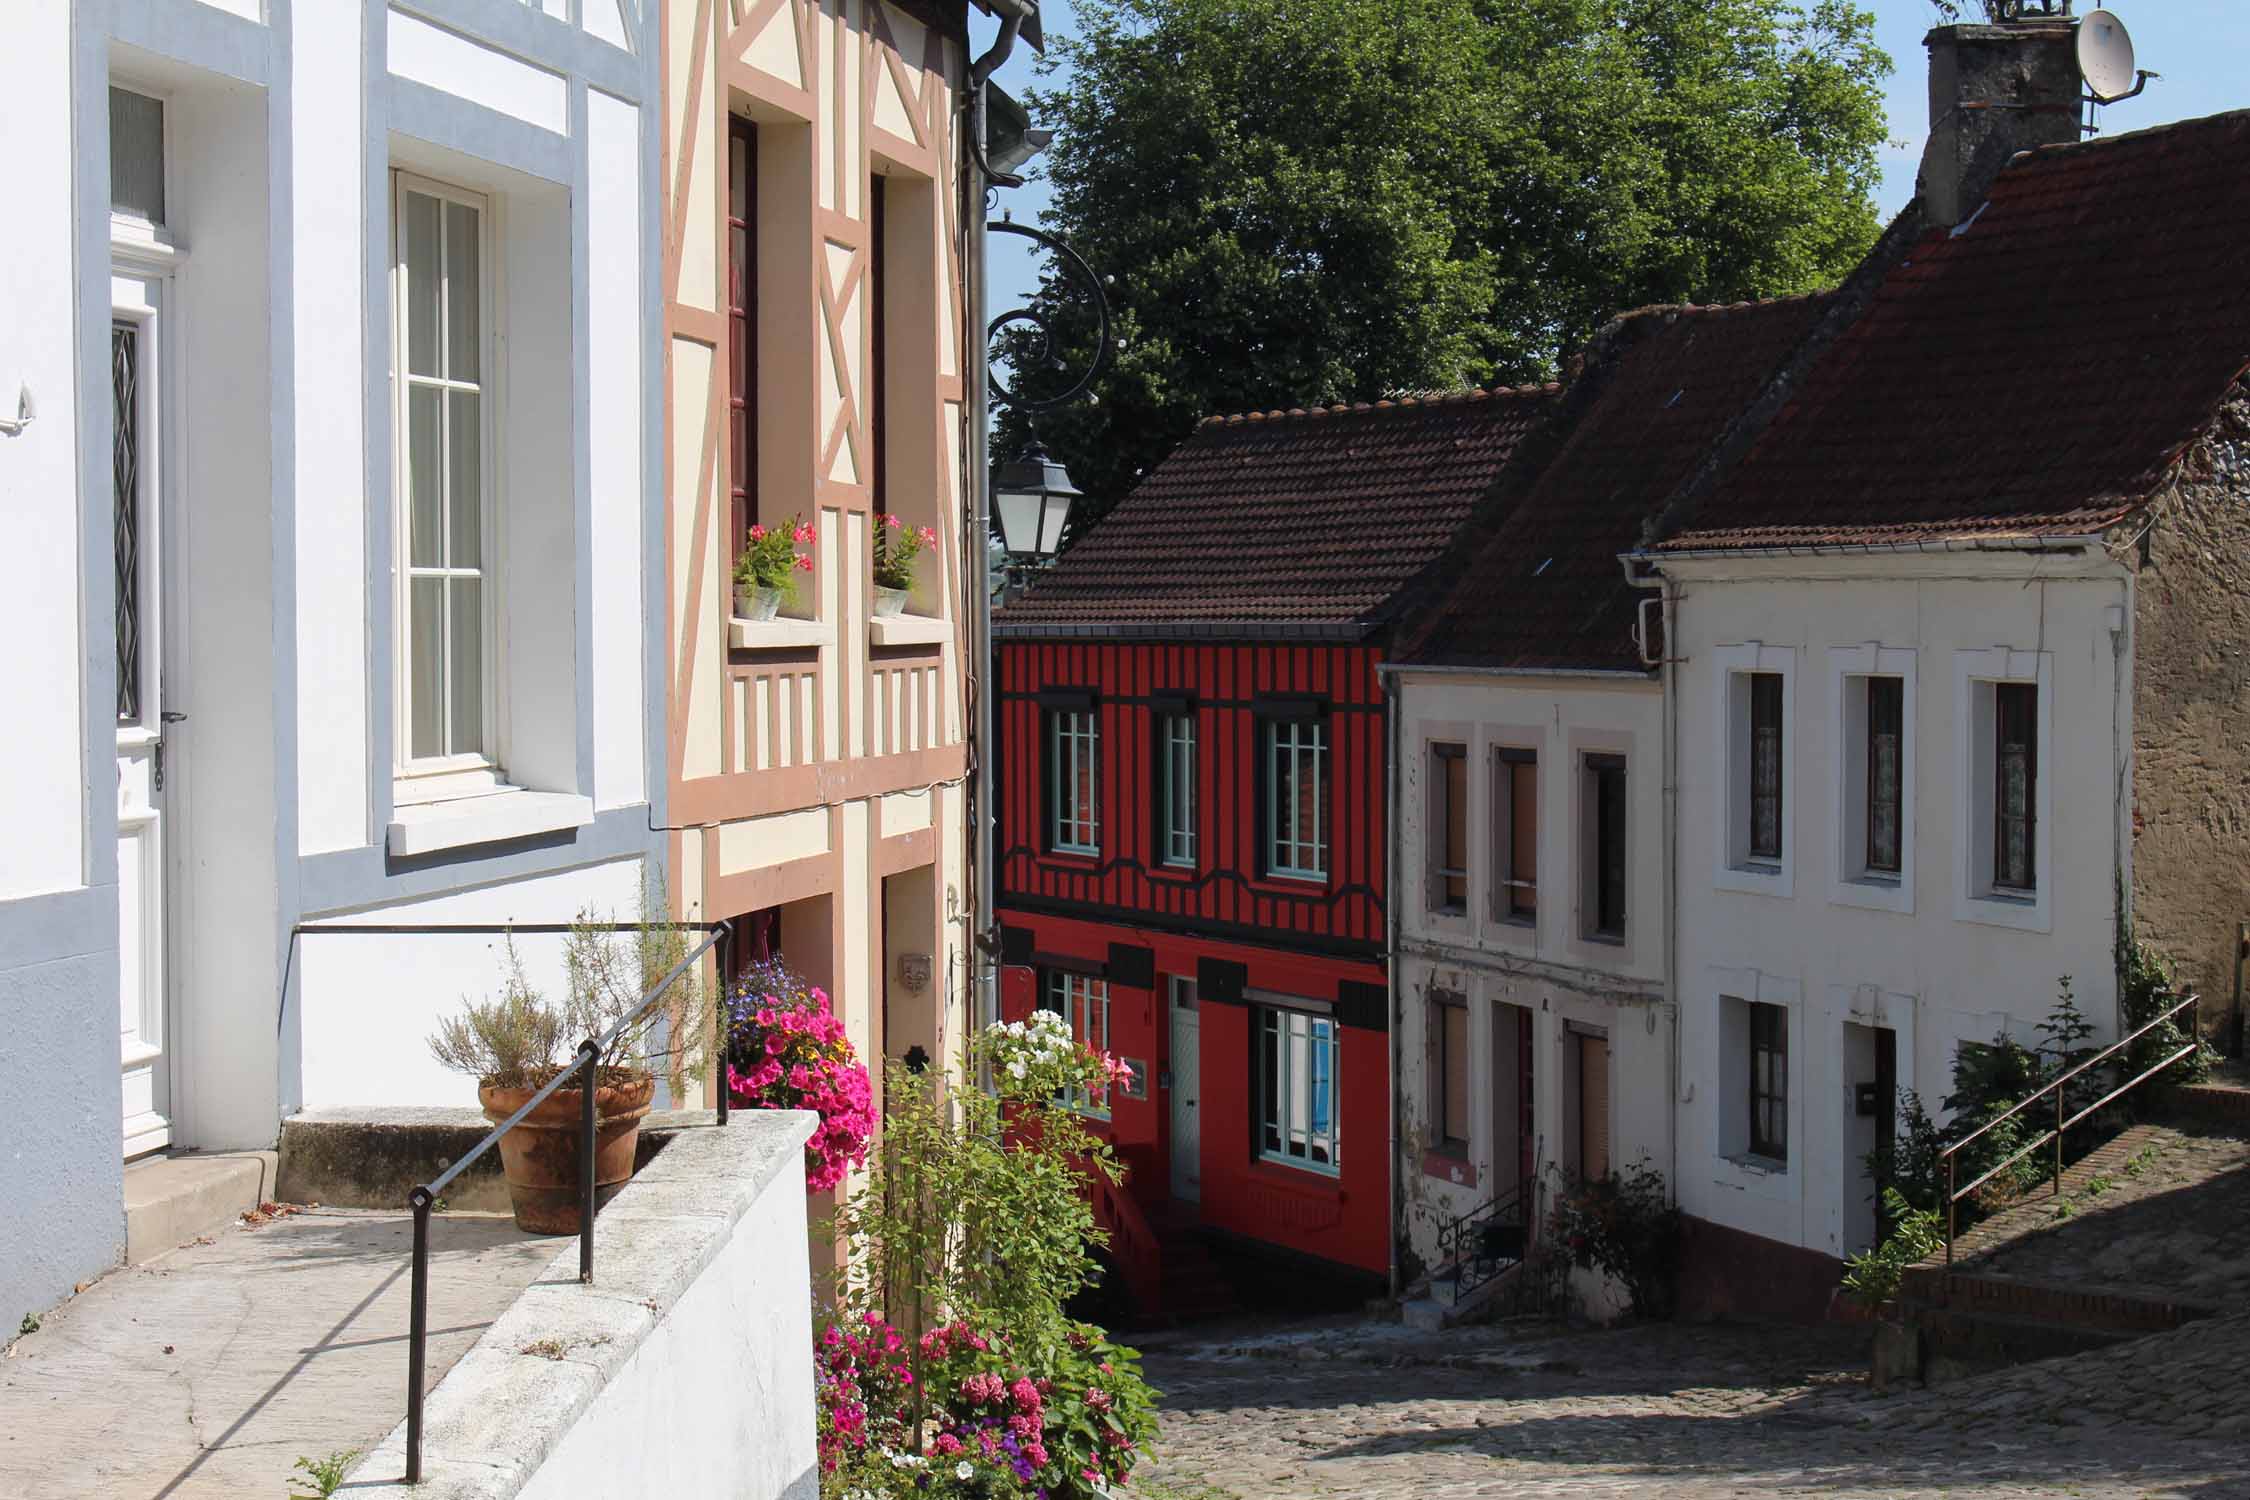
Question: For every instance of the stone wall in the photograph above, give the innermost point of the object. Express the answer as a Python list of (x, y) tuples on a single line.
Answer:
[(685, 1369), (2191, 715)]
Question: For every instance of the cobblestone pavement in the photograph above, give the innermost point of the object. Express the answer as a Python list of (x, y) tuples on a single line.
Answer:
[(2171, 1217), (1378, 1411)]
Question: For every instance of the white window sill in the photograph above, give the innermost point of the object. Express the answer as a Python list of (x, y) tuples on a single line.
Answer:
[(750, 635), (512, 813), (1756, 879), (2024, 913), (1875, 892), (908, 630)]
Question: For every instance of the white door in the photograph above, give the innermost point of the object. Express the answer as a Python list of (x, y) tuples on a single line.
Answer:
[(135, 363), (1187, 1069)]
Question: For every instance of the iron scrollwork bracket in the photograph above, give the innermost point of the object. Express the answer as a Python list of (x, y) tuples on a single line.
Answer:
[(1042, 346)]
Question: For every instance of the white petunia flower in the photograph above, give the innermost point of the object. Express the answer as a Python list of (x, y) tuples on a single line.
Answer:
[(964, 1470)]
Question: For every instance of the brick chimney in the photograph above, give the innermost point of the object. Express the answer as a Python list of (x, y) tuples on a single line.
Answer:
[(1994, 90)]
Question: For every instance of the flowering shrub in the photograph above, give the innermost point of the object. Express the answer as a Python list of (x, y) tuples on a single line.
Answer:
[(785, 1051), (770, 559), (896, 547), (1040, 1058), (980, 1421), (1624, 1225)]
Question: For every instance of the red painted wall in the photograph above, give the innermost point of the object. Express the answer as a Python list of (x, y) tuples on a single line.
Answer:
[(1344, 1218), (1225, 893)]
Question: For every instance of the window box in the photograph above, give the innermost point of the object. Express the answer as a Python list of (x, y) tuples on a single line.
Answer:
[(908, 630), (784, 632)]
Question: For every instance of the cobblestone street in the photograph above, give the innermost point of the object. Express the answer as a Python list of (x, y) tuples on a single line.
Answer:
[(1374, 1410)]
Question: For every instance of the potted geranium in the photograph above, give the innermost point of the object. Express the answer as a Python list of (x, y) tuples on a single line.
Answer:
[(515, 1044), (897, 545), (786, 1051), (765, 574)]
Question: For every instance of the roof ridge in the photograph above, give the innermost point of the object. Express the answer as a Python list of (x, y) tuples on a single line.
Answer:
[(1386, 403), (2162, 127)]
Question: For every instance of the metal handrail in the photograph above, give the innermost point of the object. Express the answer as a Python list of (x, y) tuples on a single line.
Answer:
[(586, 1069), (1954, 1195), (1457, 1238)]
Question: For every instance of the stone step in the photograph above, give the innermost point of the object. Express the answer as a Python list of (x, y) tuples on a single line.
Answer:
[(1953, 1343), (172, 1200)]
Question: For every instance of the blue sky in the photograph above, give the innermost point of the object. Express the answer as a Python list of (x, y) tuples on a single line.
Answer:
[(2199, 46)]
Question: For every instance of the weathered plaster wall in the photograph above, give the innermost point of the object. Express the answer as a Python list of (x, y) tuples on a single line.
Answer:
[(2191, 692)]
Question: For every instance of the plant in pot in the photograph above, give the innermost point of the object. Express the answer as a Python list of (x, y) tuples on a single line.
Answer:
[(765, 574), (786, 1050), (514, 1044), (897, 545)]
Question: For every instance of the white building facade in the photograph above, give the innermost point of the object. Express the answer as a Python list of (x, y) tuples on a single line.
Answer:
[(1535, 1040), (1905, 792), (333, 526)]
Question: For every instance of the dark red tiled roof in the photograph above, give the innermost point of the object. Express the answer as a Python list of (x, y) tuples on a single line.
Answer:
[(1545, 589), (2034, 372), (1281, 520)]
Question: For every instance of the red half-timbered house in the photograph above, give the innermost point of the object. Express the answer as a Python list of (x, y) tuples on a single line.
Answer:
[(1193, 745)]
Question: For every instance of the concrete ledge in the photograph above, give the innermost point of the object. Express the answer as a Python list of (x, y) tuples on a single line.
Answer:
[(688, 1360), (170, 1200), (372, 1158)]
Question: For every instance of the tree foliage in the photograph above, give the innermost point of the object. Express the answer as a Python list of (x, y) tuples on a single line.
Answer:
[(1320, 200)]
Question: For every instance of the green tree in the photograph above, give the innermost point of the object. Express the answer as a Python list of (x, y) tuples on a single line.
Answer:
[(1322, 200)]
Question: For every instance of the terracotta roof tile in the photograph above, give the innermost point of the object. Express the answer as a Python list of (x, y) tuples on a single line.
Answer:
[(2034, 372), (1544, 589), (1308, 517)]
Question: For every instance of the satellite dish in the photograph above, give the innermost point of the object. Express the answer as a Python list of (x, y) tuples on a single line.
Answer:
[(2105, 55)]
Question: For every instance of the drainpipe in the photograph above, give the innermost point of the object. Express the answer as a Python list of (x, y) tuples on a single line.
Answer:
[(1668, 603), (1390, 956), (976, 174)]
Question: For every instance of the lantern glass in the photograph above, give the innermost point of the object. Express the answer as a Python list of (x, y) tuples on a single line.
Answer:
[(1019, 520)]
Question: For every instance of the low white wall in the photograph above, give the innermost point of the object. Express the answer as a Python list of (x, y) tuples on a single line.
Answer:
[(685, 1369)]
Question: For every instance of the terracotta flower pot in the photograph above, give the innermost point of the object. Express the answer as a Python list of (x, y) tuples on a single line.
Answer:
[(540, 1156)]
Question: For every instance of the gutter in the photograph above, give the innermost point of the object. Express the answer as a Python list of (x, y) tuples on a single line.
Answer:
[(1439, 669), (1654, 558)]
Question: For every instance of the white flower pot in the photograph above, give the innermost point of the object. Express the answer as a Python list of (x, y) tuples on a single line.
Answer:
[(889, 601), (755, 603)]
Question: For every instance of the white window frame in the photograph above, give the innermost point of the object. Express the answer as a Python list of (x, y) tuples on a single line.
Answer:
[(1726, 1057), (1175, 743), (1075, 997), (1733, 868), (437, 778), (1073, 733), (1437, 813), (1294, 1026), (1975, 899), (1292, 851), (1851, 882)]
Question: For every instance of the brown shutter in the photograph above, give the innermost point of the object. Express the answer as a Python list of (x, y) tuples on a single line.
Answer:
[(1593, 1107)]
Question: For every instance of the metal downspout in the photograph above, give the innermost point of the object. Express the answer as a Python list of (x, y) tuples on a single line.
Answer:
[(1390, 959), (985, 974), (1667, 664)]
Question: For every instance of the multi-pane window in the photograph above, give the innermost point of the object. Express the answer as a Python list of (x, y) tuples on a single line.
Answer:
[(1449, 1071), (1765, 765), (742, 329), (1073, 750), (1175, 779), (1515, 834), (1297, 1053), (2015, 771), (1769, 1081), (1448, 830), (1296, 800), (1605, 792), (1886, 773), (444, 410), (126, 517), (1084, 1003)]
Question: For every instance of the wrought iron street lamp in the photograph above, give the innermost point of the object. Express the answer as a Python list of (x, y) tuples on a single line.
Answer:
[(1033, 496)]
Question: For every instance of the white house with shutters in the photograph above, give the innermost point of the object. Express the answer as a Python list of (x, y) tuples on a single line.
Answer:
[(333, 509)]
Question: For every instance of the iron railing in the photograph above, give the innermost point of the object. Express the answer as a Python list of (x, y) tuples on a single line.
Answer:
[(586, 1069), (1484, 1242), (1951, 1155)]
